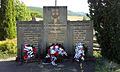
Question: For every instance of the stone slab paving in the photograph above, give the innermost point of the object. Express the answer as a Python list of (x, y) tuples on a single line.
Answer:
[(66, 66)]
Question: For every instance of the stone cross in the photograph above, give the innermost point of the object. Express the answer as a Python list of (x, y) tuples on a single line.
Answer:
[(55, 2), (0, 3)]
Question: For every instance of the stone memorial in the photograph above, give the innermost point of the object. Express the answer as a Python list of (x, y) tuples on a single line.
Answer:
[(54, 29)]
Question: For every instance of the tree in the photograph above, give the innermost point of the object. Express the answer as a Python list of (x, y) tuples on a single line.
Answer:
[(36, 14), (106, 18), (0, 25), (22, 12), (8, 22)]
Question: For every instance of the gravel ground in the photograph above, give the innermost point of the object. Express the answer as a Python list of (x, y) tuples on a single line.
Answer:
[(9, 65)]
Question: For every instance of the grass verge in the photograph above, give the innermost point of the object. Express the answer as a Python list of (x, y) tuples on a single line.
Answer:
[(104, 65)]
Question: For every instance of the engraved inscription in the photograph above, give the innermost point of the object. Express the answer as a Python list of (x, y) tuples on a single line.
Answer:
[(31, 33), (80, 32), (56, 33)]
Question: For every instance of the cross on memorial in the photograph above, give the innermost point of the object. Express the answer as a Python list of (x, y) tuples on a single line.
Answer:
[(55, 2)]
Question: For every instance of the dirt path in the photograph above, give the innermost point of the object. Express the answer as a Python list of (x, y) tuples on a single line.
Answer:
[(8, 59)]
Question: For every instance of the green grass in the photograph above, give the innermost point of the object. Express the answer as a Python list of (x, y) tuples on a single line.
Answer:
[(104, 65)]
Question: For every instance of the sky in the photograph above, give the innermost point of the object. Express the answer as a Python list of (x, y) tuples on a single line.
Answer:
[(73, 5)]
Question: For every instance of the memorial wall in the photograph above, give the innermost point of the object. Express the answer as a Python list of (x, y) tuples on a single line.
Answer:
[(81, 32), (54, 29), (29, 32)]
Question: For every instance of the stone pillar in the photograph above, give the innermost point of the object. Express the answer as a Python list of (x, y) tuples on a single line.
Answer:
[(55, 25)]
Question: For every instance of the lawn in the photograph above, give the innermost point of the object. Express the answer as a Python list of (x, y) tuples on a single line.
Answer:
[(104, 65)]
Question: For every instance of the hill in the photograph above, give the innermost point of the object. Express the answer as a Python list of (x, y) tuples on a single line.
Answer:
[(70, 13), (37, 9)]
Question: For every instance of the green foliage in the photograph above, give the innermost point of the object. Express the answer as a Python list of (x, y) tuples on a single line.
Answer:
[(8, 22), (97, 54), (36, 12), (12, 10), (106, 18), (0, 23), (85, 18), (22, 12), (8, 47), (36, 9), (103, 65)]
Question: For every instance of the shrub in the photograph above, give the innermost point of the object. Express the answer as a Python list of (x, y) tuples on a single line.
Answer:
[(8, 47), (97, 54)]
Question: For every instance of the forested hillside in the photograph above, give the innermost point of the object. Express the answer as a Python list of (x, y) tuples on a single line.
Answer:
[(70, 13)]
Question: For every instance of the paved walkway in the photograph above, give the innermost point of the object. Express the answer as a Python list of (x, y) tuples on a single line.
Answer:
[(66, 66)]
